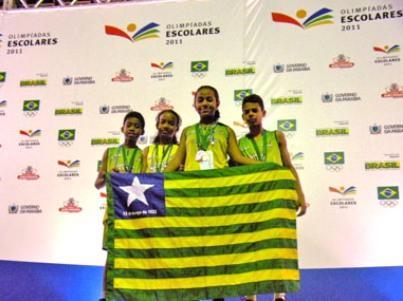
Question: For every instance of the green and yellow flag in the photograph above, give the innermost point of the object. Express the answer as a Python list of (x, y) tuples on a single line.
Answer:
[(185, 236)]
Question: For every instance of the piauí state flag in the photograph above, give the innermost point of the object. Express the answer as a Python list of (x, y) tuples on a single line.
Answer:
[(183, 236)]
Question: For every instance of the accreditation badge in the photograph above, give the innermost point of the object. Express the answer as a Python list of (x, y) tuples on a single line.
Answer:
[(205, 159)]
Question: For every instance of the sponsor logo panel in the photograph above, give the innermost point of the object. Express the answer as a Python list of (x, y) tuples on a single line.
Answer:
[(334, 161), (78, 80), (133, 33), (298, 160), (294, 67), (393, 91), (123, 76), (178, 33), (354, 18), (3, 105), (343, 197), (241, 71), (29, 174), (19, 43), (341, 62), (328, 97), (302, 20), (69, 169), (287, 126), (30, 138), (239, 95), (70, 206), (293, 97), (30, 108), (388, 196), (24, 209), (199, 69), (387, 55), (162, 70), (105, 141), (161, 104), (66, 137)]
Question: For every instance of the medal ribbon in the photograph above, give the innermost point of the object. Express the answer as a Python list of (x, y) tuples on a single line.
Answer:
[(166, 151), (260, 155), (204, 136), (128, 167)]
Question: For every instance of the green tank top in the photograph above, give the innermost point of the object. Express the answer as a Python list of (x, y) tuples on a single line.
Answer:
[(272, 149), (218, 145), (124, 159), (158, 156)]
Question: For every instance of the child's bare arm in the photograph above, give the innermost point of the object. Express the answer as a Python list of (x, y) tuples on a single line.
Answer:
[(180, 155), (145, 154), (100, 181), (285, 156)]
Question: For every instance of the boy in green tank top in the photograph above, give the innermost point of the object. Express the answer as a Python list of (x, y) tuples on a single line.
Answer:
[(267, 146), (124, 158)]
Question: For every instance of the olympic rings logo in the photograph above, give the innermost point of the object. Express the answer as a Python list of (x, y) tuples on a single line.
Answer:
[(30, 113), (334, 168), (66, 143), (389, 203), (199, 74)]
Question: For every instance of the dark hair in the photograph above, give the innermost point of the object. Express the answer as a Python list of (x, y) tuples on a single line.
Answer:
[(216, 95), (210, 88), (136, 115), (178, 123), (253, 98)]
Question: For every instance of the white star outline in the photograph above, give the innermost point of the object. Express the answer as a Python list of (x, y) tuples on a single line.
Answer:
[(136, 192)]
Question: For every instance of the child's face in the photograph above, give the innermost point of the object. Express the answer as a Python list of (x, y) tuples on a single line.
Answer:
[(252, 114), (206, 103), (132, 128), (167, 125)]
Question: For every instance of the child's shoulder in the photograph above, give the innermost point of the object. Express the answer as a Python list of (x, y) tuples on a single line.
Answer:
[(112, 149), (224, 126), (190, 128)]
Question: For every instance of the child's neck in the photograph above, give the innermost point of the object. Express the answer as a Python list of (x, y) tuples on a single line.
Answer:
[(207, 120), (130, 143), (165, 140), (255, 130)]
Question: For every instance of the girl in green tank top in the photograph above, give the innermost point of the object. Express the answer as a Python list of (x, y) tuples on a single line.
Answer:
[(165, 145), (207, 144)]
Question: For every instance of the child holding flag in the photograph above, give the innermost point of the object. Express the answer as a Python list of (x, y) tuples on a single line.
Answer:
[(267, 146), (207, 144), (124, 158)]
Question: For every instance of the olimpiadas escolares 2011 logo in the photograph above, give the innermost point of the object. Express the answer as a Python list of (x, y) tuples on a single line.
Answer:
[(320, 17), (133, 33)]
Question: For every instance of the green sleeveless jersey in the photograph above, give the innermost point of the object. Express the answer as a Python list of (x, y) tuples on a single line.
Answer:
[(124, 159), (158, 156), (218, 145), (272, 153)]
